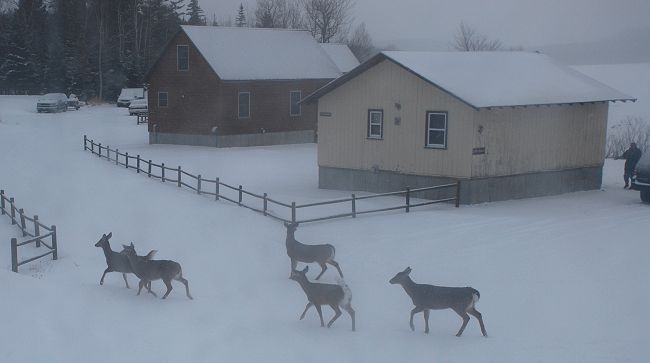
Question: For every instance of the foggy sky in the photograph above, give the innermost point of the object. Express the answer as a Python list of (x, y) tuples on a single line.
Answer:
[(515, 22)]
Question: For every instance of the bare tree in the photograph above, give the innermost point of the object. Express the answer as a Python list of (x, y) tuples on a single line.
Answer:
[(360, 43), (327, 19), (277, 14), (468, 39), (627, 131), (7, 5)]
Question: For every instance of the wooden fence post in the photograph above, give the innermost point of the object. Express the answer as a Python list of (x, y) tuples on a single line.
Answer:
[(149, 169), (13, 210), (2, 201), (198, 185), (408, 199), (85, 142), (117, 156), (163, 171), (138, 163), (293, 212), (457, 193), (179, 176), (37, 231), (14, 255), (240, 195), (216, 192), (23, 226), (108, 152), (354, 206), (265, 203), (100, 150), (55, 254), (127, 159), (92, 146)]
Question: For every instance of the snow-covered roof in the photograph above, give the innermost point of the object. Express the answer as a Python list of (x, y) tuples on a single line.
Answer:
[(255, 54), (341, 55), (494, 79)]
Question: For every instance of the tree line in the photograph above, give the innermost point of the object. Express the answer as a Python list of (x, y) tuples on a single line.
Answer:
[(93, 48)]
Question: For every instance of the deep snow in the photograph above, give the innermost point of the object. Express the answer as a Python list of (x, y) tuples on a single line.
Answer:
[(562, 278)]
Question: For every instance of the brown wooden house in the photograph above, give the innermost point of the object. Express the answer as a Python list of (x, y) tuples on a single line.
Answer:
[(220, 86)]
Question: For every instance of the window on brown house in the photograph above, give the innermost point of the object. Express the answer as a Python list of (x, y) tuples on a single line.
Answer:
[(294, 105), (244, 101), (163, 98), (183, 57)]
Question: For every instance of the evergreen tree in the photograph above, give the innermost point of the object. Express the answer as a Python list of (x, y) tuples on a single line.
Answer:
[(240, 21), (195, 13)]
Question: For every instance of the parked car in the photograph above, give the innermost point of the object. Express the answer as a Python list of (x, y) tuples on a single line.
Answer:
[(73, 101), (138, 107), (641, 177), (129, 94), (52, 102)]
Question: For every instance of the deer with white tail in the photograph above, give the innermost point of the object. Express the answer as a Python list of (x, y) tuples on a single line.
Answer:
[(462, 300)]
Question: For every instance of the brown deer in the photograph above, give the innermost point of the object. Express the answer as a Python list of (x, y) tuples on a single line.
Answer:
[(462, 300), (299, 252), (320, 294), (117, 262), (149, 270)]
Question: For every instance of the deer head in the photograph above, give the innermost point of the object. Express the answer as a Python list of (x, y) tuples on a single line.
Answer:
[(299, 275), (401, 276), (104, 240)]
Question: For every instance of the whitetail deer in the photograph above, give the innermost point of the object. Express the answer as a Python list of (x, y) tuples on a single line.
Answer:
[(117, 262), (325, 294), (298, 252), (462, 300), (149, 270)]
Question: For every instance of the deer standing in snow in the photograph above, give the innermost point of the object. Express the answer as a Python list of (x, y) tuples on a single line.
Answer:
[(462, 300), (117, 262), (298, 252), (325, 294), (149, 270)]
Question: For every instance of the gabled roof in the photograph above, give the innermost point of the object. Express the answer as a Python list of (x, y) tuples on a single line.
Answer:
[(261, 54), (493, 79), (341, 55)]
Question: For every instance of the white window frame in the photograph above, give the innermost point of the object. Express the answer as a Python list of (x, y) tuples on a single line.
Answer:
[(178, 63), (166, 99), (428, 144), (370, 135), (298, 104), (248, 112)]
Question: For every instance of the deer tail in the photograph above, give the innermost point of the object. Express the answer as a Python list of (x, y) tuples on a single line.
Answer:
[(347, 293), (150, 255), (333, 252), (475, 294)]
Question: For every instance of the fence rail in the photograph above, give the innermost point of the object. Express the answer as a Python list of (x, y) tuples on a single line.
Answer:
[(215, 187), (142, 118), (19, 217)]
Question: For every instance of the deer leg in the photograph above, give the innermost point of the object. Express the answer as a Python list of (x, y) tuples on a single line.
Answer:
[(413, 312), (323, 267), (140, 284), (187, 286), (294, 263), (108, 269), (336, 264), (337, 313), (168, 283), (465, 320), (320, 314), (148, 286), (350, 311), (479, 317), (426, 321), (125, 281), (309, 304)]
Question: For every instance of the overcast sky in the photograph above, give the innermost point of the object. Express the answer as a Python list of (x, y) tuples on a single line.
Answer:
[(515, 22)]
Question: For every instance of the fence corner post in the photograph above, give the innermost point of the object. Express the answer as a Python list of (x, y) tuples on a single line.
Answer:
[(198, 184), (354, 206), (408, 199), (14, 255), (293, 212), (457, 193), (37, 231), (162, 168), (216, 188), (179, 176), (265, 202), (240, 195), (55, 249), (138, 163)]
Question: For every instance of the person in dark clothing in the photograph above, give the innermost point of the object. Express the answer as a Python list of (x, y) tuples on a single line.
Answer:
[(631, 156)]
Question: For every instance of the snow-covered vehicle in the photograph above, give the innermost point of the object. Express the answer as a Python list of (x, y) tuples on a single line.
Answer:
[(129, 94), (52, 102), (73, 101), (138, 107), (641, 177)]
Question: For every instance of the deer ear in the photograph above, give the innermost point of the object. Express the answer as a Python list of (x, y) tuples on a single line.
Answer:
[(132, 245), (408, 270), (110, 234), (304, 270), (125, 246)]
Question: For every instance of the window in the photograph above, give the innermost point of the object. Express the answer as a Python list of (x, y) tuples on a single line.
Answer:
[(183, 57), (436, 130), (244, 105), (375, 124), (294, 106), (162, 99)]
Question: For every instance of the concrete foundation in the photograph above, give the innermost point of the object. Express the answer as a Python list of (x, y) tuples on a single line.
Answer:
[(269, 138), (472, 191)]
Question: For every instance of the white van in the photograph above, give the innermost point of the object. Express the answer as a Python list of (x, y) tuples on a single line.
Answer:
[(129, 94)]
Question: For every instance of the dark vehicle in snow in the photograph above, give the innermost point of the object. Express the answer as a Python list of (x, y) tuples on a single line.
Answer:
[(52, 102), (641, 177)]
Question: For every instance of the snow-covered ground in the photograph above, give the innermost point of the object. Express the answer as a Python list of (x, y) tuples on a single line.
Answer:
[(562, 278)]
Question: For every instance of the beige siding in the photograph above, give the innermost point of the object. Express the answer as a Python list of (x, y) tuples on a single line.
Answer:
[(342, 141), (532, 139)]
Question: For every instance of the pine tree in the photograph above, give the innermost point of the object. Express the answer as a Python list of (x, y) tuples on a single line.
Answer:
[(195, 13), (240, 21)]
